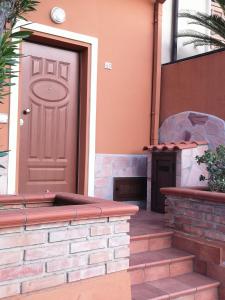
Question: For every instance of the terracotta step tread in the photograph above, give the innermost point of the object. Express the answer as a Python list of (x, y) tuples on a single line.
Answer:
[(147, 230), (158, 257), (155, 234), (188, 284)]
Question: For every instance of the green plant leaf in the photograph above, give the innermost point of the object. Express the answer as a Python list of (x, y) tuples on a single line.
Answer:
[(21, 34), (215, 165), (3, 153)]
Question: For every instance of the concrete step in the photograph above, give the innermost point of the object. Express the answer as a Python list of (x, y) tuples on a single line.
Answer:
[(154, 265), (191, 286)]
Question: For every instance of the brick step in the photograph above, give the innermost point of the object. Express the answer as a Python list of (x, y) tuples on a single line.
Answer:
[(191, 286), (154, 265), (151, 242)]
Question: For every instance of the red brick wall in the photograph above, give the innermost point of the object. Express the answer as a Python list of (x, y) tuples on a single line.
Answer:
[(37, 257), (199, 218)]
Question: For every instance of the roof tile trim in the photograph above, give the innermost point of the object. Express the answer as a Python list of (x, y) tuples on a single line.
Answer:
[(174, 146)]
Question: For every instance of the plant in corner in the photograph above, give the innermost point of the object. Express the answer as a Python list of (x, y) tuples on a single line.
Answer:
[(215, 165), (10, 38), (214, 23)]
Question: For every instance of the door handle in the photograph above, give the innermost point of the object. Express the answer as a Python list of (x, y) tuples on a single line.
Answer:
[(27, 111), (21, 122)]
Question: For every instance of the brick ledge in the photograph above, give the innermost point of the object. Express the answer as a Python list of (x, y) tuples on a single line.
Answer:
[(66, 207), (195, 193)]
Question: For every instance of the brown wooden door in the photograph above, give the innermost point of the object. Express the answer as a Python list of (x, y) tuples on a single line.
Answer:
[(163, 175), (49, 135)]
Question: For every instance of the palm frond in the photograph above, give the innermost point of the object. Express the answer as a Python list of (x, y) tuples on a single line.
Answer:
[(9, 40), (214, 23), (222, 4), (201, 39)]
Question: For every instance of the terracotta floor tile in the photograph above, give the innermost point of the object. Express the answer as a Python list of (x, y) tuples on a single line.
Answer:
[(144, 258), (157, 272), (186, 297), (160, 243), (147, 292), (181, 267), (198, 281), (158, 257), (173, 287), (209, 294), (173, 253), (139, 246), (146, 230), (146, 223), (137, 276)]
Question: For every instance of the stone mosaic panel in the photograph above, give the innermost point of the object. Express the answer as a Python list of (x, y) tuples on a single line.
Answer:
[(187, 169), (190, 125)]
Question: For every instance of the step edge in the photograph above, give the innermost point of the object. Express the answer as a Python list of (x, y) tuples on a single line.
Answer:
[(161, 262), (188, 291), (151, 235), (208, 286)]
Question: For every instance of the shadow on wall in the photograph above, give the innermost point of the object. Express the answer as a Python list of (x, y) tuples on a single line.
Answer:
[(193, 126)]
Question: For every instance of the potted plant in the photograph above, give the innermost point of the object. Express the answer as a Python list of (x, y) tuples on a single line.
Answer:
[(215, 165)]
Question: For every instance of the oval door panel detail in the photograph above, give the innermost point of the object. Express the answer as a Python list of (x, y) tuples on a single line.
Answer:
[(49, 90)]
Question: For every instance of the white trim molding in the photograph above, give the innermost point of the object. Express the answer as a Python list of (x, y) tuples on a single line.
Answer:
[(14, 104)]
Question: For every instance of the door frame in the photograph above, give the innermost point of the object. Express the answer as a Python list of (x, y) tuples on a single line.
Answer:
[(72, 38)]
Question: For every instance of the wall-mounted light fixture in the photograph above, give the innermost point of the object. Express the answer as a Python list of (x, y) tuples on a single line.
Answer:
[(58, 15)]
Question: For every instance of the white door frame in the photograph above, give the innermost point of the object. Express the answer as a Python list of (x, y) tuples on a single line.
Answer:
[(14, 104)]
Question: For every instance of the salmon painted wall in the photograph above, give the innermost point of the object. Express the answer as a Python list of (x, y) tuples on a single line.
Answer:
[(195, 84), (125, 33)]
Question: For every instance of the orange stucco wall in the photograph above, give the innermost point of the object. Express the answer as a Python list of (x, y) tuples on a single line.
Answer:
[(125, 33), (111, 287), (195, 84)]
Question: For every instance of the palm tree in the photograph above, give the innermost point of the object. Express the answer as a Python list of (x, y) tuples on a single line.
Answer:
[(10, 12), (215, 24)]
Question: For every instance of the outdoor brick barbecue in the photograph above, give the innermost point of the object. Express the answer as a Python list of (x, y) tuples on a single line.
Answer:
[(183, 168)]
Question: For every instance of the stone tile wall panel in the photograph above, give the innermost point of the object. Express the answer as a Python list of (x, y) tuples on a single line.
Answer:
[(108, 166)]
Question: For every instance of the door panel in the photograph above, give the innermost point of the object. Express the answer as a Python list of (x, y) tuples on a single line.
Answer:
[(49, 136), (163, 175)]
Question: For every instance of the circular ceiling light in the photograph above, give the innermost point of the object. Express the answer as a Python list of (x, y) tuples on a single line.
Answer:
[(58, 15)]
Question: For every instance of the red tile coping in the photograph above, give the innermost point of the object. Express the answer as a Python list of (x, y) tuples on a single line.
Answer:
[(174, 146), (26, 199), (65, 207), (199, 193)]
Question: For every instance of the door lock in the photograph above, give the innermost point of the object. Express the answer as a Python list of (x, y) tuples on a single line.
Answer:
[(27, 111)]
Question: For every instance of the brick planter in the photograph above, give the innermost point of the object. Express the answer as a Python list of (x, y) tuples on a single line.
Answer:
[(196, 211), (55, 240)]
